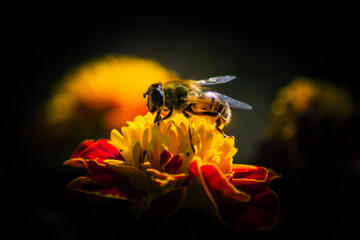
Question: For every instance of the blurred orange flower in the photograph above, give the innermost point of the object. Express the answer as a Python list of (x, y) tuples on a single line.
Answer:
[(112, 85)]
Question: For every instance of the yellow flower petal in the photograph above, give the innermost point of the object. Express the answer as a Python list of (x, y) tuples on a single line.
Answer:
[(118, 140), (155, 146), (164, 179), (137, 154), (228, 148), (209, 156), (75, 162), (206, 143), (173, 141)]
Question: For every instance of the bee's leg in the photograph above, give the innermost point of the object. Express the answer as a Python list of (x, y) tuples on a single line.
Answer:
[(218, 120), (157, 118), (191, 143), (218, 124), (169, 114), (190, 137)]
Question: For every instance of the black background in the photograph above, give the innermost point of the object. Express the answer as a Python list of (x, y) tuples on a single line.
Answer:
[(38, 49)]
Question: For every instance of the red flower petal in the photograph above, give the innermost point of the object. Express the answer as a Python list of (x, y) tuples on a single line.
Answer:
[(101, 150), (229, 202), (194, 169), (164, 158), (82, 146), (109, 186), (249, 172), (174, 164), (216, 181), (92, 155), (263, 212), (259, 211), (251, 179)]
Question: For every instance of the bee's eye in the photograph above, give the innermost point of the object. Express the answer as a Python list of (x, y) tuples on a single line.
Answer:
[(157, 97)]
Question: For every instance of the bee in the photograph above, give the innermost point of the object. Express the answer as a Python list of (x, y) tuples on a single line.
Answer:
[(190, 97)]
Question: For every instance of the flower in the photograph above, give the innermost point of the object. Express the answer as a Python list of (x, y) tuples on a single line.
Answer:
[(153, 165), (106, 89), (306, 98), (311, 128), (144, 149)]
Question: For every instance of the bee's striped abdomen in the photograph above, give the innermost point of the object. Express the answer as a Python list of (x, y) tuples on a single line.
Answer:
[(208, 101)]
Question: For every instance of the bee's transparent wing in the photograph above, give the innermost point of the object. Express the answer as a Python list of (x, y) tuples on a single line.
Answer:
[(215, 80), (233, 103)]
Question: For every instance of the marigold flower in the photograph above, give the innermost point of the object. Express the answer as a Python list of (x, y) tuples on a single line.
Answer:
[(153, 165)]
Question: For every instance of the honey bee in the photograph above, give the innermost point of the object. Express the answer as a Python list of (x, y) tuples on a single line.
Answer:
[(190, 97)]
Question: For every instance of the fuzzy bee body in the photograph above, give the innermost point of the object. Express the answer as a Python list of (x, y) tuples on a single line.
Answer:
[(191, 98), (208, 103)]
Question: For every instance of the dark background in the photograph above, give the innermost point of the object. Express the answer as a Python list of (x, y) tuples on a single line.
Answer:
[(265, 55)]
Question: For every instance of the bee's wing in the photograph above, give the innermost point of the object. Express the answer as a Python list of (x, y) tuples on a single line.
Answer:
[(233, 103), (215, 80)]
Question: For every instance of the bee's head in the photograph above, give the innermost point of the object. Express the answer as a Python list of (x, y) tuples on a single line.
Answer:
[(155, 99)]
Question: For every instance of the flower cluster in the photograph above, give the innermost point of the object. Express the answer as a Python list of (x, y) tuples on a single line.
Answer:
[(154, 165)]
